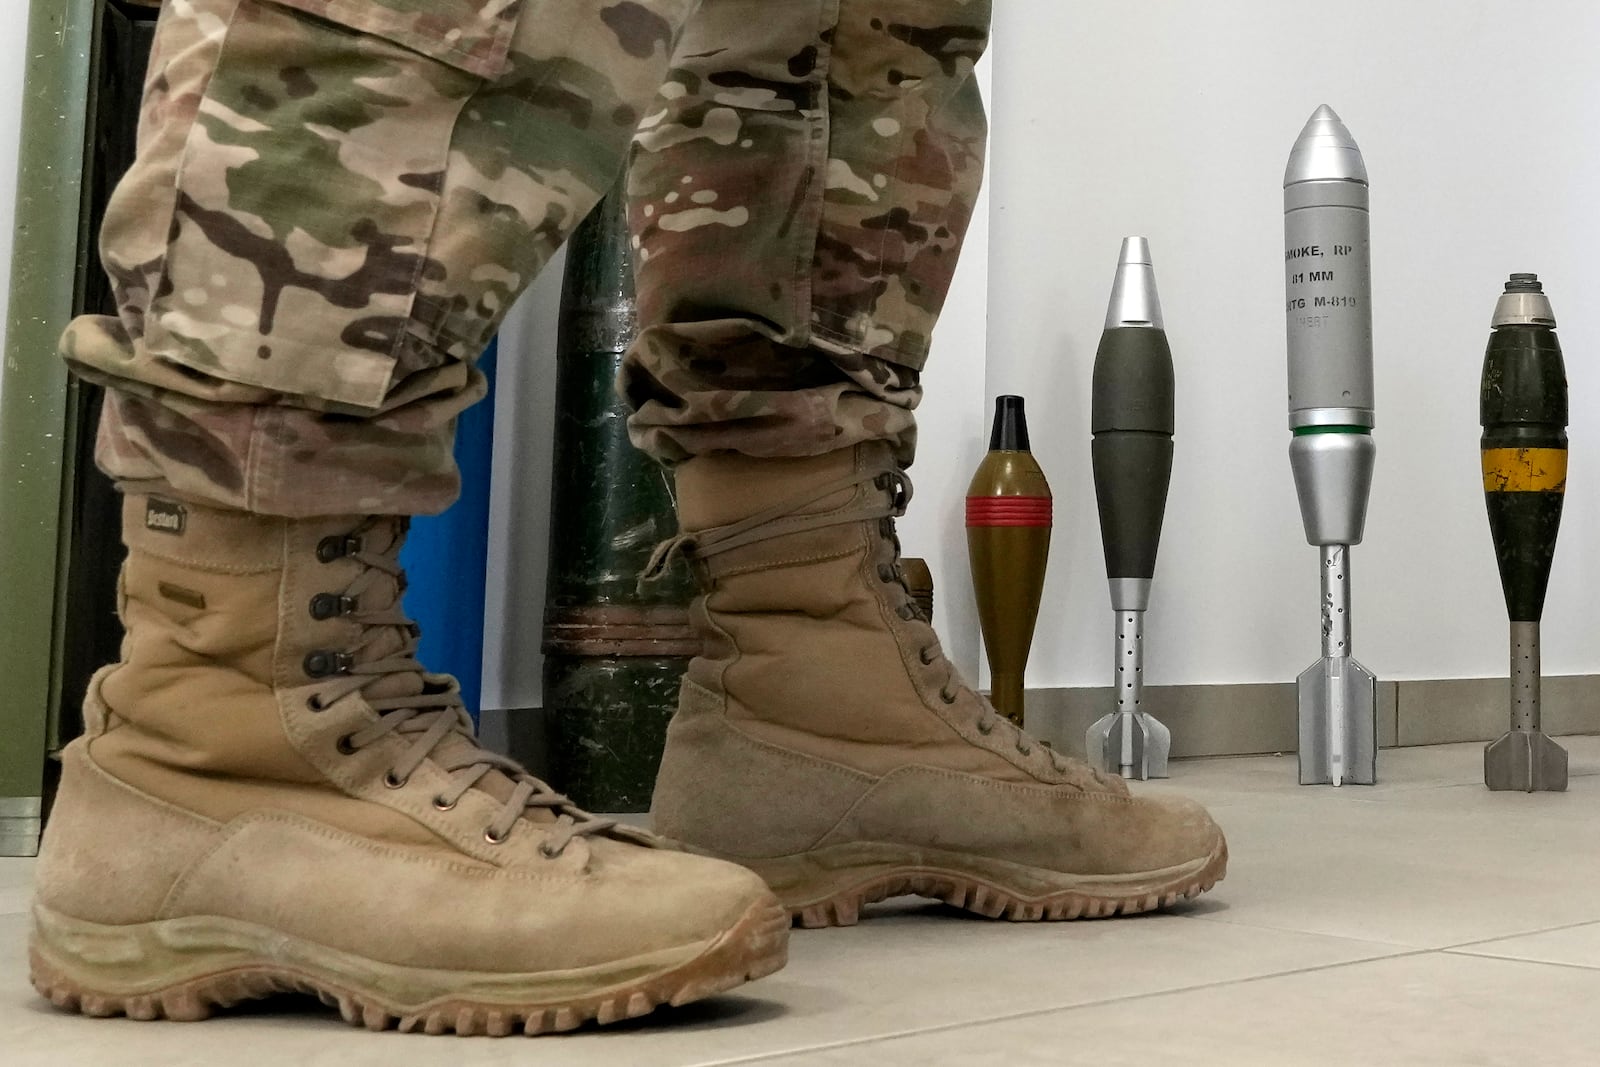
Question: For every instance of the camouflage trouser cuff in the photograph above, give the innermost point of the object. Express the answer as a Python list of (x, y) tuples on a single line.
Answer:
[(905, 351)]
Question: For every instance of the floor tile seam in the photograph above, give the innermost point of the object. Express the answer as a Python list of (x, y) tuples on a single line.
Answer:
[(1404, 949), (1383, 781), (1424, 787), (1417, 787), (1031, 1013), (1591, 968), (1526, 933), (1391, 798), (1327, 794)]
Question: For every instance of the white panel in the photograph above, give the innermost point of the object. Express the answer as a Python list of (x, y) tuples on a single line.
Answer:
[(1174, 120), (519, 507)]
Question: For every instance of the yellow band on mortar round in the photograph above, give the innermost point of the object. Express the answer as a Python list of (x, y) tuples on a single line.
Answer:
[(1524, 470)]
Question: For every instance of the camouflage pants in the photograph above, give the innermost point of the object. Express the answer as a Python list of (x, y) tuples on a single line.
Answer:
[(336, 201)]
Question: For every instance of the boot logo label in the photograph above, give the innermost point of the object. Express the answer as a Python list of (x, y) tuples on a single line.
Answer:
[(187, 597), (165, 515)]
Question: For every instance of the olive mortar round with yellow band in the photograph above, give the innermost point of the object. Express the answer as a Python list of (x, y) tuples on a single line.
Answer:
[(1522, 407)]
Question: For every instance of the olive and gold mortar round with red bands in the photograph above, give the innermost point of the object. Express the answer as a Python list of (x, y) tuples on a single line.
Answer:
[(1009, 515)]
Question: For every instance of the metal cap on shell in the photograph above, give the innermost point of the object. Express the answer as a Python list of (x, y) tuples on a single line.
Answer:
[(1325, 152), (1523, 304), (1134, 302), (1010, 431)]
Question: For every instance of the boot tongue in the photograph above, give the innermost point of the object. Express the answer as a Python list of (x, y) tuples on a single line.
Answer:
[(495, 783), (390, 641), (384, 594), (454, 745)]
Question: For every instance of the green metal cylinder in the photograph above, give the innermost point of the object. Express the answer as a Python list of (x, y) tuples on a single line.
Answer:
[(90, 633), (48, 256), (614, 653)]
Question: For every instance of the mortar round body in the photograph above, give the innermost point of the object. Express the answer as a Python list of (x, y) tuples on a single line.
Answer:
[(1328, 303), (1522, 406), (1008, 568)]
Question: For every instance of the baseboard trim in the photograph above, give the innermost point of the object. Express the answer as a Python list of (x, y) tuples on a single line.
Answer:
[(1236, 719), (1244, 719)]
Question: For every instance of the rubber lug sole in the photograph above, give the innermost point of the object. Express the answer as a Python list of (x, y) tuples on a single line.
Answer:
[(755, 946), (832, 891)]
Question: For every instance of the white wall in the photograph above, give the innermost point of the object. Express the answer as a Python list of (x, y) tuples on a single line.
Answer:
[(1173, 120)]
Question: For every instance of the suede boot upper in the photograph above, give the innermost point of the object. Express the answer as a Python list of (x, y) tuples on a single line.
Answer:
[(269, 751), (822, 712)]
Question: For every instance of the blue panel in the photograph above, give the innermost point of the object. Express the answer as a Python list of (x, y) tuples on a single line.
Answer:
[(446, 557)]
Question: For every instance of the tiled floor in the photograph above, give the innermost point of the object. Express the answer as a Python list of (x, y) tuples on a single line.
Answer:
[(1423, 921)]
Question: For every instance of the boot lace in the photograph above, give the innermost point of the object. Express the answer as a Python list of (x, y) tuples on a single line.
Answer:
[(782, 519), (426, 708)]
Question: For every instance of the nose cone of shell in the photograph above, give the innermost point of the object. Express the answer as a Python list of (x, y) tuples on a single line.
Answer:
[(1524, 303), (1134, 301), (1325, 152)]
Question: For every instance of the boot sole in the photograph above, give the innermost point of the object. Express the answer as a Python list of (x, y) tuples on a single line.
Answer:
[(184, 969), (829, 886)]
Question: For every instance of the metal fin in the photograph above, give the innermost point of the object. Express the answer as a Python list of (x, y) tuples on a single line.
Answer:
[(1135, 745), (1338, 703), (1528, 761)]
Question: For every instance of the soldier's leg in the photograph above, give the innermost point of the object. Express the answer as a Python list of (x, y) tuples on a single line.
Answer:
[(334, 203), (799, 203)]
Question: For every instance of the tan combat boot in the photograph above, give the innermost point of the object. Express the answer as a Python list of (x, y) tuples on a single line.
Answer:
[(272, 795), (823, 740)]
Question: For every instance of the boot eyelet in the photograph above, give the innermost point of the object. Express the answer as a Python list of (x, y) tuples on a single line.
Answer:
[(906, 612), (393, 780), (493, 839), (441, 804), (321, 662), (546, 851), (345, 747), (332, 605), (337, 546), (886, 527), (1025, 749), (885, 573), (985, 727), (926, 656), (948, 697), (314, 703)]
